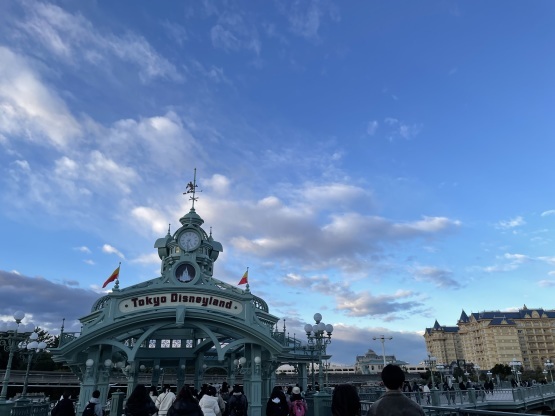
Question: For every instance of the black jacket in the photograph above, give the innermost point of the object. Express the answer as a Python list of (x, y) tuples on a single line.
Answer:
[(277, 409), (144, 408), (63, 408), (237, 401), (185, 408)]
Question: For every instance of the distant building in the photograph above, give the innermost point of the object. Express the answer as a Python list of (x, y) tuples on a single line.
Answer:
[(332, 369), (372, 363), (493, 337)]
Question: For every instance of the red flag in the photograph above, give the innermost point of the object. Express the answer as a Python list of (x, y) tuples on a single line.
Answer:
[(245, 278), (112, 277)]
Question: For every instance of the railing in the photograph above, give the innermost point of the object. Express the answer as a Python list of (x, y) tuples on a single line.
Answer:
[(26, 407), (498, 399)]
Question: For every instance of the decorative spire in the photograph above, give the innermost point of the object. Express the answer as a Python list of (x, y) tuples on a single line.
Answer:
[(192, 189), (169, 226)]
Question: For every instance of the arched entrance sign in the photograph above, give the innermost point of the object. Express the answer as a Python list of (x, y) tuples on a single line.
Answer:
[(184, 322)]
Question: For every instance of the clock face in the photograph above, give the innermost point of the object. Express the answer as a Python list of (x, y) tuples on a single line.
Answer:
[(189, 240)]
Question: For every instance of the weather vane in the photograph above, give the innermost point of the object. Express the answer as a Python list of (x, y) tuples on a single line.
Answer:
[(192, 189)]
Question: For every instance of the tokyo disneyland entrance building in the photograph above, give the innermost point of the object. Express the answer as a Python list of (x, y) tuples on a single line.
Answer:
[(185, 322)]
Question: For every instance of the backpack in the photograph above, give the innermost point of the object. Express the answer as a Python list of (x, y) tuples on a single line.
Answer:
[(238, 407), (298, 408), (89, 409)]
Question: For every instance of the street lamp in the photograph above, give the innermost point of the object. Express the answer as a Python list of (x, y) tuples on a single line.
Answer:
[(549, 365), (33, 347), (515, 364), (318, 336), (430, 363), (12, 333), (477, 369), (382, 338), (441, 369)]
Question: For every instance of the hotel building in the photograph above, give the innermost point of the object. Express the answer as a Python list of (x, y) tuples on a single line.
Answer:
[(493, 337)]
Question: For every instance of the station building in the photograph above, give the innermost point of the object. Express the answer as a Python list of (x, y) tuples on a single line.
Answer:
[(186, 323)]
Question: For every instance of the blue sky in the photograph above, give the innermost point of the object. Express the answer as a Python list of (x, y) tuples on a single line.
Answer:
[(386, 164)]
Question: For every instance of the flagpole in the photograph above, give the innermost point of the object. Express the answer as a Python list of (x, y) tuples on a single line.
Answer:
[(116, 286), (247, 289)]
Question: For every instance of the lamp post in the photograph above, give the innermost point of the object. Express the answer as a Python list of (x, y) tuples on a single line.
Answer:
[(383, 338), (477, 369), (12, 334), (244, 367), (549, 365), (327, 367), (319, 336), (430, 363), (515, 364), (440, 368), (33, 347)]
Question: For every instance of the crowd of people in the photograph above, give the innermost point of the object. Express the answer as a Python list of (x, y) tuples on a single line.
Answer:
[(208, 401), (226, 401)]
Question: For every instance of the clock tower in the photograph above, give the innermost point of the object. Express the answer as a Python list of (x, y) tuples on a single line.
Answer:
[(189, 254)]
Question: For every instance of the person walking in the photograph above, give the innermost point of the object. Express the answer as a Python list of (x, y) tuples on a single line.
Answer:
[(221, 403), (394, 402), (416, 390), (345, 401), (153, 396), (139, 403), (165, 400), (277, 403), (185, 404), (209, 403), (426, 393), (64, 407), (93, 407), (297, 404), (238, 404)]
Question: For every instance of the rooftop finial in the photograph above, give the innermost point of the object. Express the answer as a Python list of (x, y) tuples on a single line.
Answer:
[(192, 189), (169, 226)]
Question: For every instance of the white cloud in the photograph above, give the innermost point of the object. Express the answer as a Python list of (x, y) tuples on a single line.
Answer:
[(233, 32), (83, 249), (402, 129), (516, 258), (548, 259), (89, 262), (100, 170), (75, 40), (151, 258), (366, 304), (218, 184), (152, 217), (302, 231), (372, 127), (439, 277), (548, 213), (159, 143), (512, 223), (29, 109), (176, 32), (108, 249)]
